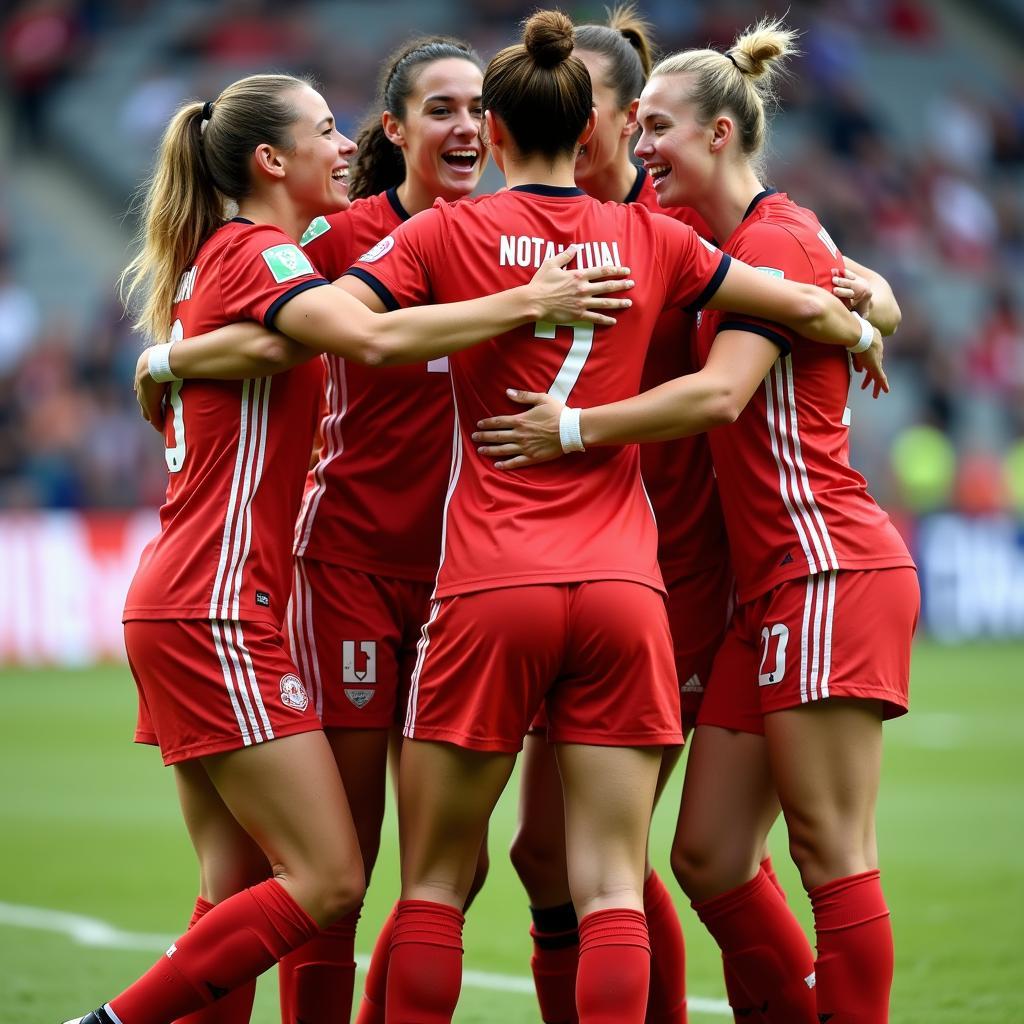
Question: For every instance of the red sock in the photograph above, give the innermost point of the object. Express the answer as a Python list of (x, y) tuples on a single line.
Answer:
[(666, 1000), (615, 968), (855, 954), (233, 943), (425, 973), (769, 870), (371, 1009), (765, 952), (316, 980), (556, 949), (236, 1006)]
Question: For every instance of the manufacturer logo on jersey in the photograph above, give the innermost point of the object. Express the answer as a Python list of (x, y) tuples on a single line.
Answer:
[(287, 262), (771, 271), (316, 228), (262, 598), (382, 248), (360, 698), (692, 685), (171, 949), (359, 665), (293, 693), (774, 641)]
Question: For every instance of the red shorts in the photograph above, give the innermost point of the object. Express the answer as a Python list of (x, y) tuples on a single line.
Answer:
[(206, 687), (598, 654), (834, 634), (699, 607), (354, 636)]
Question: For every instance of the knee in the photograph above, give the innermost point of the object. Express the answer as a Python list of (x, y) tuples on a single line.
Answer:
[(327, 891), (223, 877), (341, 895), (825, 849), (705, 869), (535, 861)]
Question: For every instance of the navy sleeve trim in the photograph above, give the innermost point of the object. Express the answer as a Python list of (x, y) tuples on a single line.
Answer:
[(275, 306), (381, 291), (713, 285), (765, 332)]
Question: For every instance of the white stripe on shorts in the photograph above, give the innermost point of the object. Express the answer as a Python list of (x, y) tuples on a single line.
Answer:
[(414, 684)]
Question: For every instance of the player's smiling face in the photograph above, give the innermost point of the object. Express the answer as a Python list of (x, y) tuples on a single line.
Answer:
[(317, 168), (601, 153), (440, 133), (674, 147)]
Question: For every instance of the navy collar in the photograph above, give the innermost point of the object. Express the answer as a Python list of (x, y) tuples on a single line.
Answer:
[(757, 199), (396, 203), (241, 220), (634, 192), (549, 190)]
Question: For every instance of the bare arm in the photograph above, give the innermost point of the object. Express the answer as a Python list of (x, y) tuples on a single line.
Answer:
[(335, 320), (714, 396), (805, 308)]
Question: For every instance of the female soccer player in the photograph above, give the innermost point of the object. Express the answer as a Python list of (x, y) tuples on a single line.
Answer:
[(548, 588), (203, 615), (817, 654)]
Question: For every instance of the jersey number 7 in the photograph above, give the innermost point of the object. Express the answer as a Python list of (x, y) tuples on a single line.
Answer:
[(575, 359)]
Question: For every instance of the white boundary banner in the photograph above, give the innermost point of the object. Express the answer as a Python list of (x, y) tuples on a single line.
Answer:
[(63, 580)]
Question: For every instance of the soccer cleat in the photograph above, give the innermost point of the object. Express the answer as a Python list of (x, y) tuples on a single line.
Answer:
[(99, 1016)]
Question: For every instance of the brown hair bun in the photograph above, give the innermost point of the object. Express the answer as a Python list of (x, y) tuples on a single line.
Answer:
[(549, 37)]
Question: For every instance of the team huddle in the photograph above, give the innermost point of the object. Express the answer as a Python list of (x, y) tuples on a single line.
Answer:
[(561, 470)]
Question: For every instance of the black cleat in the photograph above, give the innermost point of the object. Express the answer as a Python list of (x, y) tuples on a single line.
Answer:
[(99, 1016)]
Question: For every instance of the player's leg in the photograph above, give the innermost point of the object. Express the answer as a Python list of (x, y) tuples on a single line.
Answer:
[(727, 808), (824, 710), (287, 795), (538, 856), (446, 795), (229, 861), (609, 797), (612, 711), (485, 660), (345, 632)]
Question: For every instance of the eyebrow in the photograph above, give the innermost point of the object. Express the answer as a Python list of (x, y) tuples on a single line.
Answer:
[(325, 122), (437, 98), (656, 113)]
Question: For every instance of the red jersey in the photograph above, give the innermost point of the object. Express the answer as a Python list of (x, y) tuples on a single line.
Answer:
[(793, 505), (373, 501), (575, 519), (678, 474), (237, 450)]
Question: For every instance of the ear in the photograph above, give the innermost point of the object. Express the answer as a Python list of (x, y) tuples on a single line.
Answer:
[(722, 131), (588, 128), (630, 127), (267, 161), (494, 130), (392, 128)]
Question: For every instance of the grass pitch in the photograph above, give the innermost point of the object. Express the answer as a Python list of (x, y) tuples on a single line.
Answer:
[(90, 827)]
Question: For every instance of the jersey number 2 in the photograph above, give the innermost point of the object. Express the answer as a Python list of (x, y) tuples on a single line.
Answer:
[(175, 457), (576, 358)]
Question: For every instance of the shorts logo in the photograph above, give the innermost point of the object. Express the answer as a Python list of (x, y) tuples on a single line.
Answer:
[(287, 262), (359, 665), (293, 693), (360, 698), (774, 641), (382, 248), (692, 685)]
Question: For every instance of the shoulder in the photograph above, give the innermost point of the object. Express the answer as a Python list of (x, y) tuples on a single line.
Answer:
[(772, 245)]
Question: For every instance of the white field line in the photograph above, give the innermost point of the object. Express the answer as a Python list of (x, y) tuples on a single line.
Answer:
[(89, 931)]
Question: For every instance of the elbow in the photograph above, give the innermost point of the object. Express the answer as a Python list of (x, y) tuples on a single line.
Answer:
[(277, 352), (724, 408), (813, 311)]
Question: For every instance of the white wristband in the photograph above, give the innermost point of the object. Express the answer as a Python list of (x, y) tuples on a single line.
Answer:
[(569, 430), (867, 335), (160, 363)]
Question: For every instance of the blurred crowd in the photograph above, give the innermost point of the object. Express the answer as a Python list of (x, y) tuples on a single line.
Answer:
[(950, 209)]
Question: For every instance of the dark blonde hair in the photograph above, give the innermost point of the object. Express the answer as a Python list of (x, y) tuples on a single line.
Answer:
[(625, 43), (539, 89), (741, 80), (202, 163), (379, 164)]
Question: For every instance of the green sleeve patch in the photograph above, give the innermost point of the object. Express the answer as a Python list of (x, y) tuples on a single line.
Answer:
[(773, 271), (316, 228), (287, 262)]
